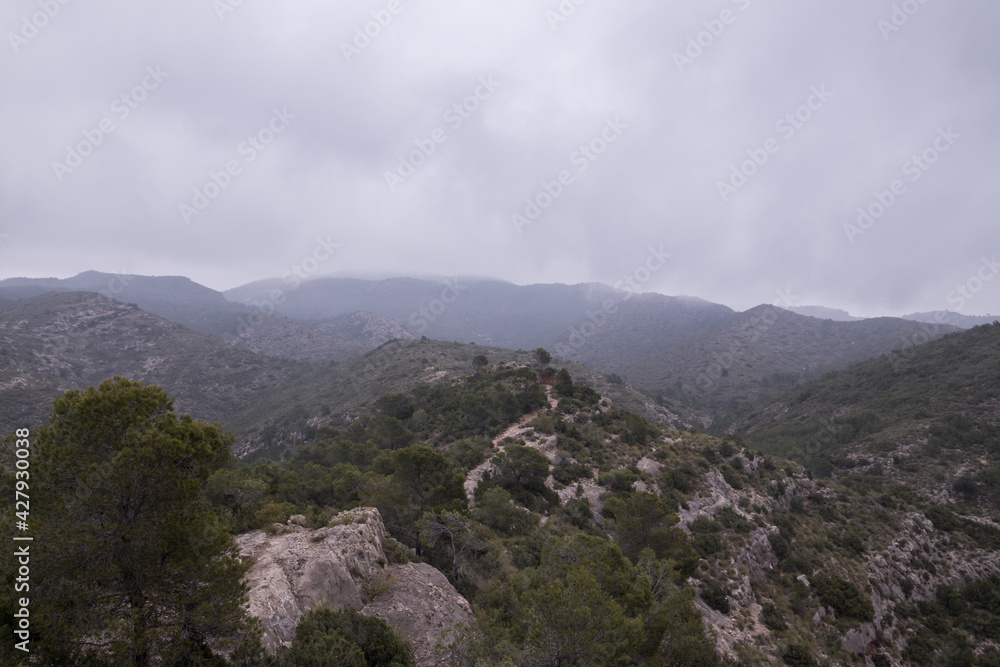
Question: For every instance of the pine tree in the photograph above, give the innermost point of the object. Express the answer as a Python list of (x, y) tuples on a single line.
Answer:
[(133, 568)]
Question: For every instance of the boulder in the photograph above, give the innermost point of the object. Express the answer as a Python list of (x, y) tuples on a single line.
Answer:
[(344, 564), (423, 608)]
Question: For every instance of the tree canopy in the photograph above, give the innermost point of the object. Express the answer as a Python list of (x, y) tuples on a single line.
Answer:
[(136, 568)]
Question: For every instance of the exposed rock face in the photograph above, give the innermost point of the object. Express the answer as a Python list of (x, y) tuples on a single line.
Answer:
[(919, 561), (422, 607), (344, 564), (338, 338)]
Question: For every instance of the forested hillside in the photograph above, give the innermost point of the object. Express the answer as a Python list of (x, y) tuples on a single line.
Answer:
[(583, 534)]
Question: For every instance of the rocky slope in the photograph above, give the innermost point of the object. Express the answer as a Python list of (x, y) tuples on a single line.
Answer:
[(336, 339), (346, 564), (60, 341)]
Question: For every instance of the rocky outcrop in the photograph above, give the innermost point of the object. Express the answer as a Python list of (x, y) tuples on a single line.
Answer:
[(423, 608), (344, 564), (920, 560)]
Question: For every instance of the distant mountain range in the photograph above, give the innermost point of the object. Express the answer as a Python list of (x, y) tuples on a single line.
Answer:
[(678, 350), (931, 317), (824, 313), (688, 355), (58, 341)]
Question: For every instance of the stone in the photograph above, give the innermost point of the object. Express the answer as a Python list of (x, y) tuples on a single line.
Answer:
[(344, 565)]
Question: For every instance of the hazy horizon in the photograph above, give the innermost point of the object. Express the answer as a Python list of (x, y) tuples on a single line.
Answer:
[(438, 278)]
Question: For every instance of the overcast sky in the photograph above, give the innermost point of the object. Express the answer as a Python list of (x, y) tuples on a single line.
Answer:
[(357, 141)]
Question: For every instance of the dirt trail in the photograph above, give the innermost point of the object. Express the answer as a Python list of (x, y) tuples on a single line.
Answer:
[(512, 431)]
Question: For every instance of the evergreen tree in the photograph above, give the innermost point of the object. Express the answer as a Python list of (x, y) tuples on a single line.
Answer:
[(136, 569)]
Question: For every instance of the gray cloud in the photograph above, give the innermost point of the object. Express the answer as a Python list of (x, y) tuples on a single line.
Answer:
[(655, 185)]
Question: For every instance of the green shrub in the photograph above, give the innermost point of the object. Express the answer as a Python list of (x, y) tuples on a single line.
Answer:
[(682, 479), (844, 596), (773, 619), (779, 545), (797, 655), (717, 598), (732, 477), (706, 544), (729, 518), (620, 480), (566, 471), (704, 524), (326, 638)]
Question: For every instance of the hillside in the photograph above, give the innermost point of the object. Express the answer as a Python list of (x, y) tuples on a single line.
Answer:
[(684, 352), (488, 312), (690, 356), (950, 317), (336, 339), (746, 358), (60, 341), (929, 416), (207, 311), (541, 501), (174, 298), (333, 395), (71, 340), (560, 501), (823, 313)]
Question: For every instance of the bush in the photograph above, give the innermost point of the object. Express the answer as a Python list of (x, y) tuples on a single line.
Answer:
[(345, 637), (845, 598), (797, 655), (717, 598), (706, 544), (681, 479), (732, 477), (779, 545), (566, 471), (773, 619), (704, 524), (620, 480), (729, 518)]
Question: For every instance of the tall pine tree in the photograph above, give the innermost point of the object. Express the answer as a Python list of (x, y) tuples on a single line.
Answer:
[(132, 567)]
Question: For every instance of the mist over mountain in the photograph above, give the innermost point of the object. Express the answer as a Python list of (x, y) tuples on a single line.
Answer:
[(824, 313), (175, 298), (952, 318), (686, 354), (703, 355)]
